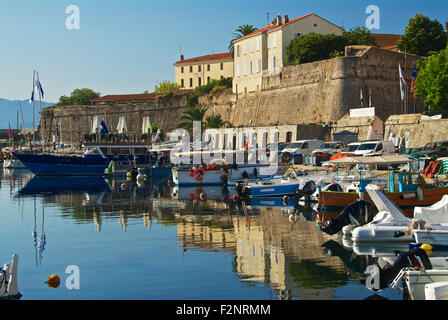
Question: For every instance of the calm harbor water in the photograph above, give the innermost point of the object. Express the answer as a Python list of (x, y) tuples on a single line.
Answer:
[(151, 241)]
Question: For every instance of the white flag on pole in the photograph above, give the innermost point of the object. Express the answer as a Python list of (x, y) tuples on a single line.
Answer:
[(402, 81)]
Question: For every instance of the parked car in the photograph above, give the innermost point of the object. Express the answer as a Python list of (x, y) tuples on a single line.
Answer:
[(371, 147), (301, 147), (330, 147), (432, 149)]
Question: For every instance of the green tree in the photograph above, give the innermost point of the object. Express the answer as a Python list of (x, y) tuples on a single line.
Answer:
[(314, 47), (359, 36), (166, 87), (241, 31), (423, 36), (214, 122), (195, 113), (432, 81), (78, 97)]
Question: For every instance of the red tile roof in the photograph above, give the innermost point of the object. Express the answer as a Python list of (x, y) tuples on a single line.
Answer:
[(142, 96), (216, 56), (272, 27)]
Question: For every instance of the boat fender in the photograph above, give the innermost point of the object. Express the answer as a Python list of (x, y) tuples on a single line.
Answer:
[(420, 194), (203, 196), (129, 174), (285, 200), (255, 172), (235, 198), (169, 183), (145, 177), (245, 175), (53, 281)]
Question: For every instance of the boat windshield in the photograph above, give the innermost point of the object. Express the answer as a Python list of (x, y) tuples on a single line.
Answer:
[(367, 146)]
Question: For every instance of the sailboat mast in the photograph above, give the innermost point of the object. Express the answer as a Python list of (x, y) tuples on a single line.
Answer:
[(21, 114), (34, 79)]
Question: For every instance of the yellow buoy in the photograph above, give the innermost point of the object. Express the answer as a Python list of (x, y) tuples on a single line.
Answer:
[(53, 281), (427, 248), (124, 186)]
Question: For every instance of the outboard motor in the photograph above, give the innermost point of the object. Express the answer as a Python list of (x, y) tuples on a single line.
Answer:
[(307, 191), (360, 210), (416, 258)]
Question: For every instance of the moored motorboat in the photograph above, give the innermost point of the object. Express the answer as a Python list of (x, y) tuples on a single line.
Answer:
[(55, 164)]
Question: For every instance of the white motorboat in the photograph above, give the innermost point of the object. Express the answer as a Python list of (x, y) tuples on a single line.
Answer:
[(436, 228), (436, 291), (417, 280), (220, 175), (8, 280), (391, 221), (385, 224)]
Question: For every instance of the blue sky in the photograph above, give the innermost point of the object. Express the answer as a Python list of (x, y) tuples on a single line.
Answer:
[(128, 46)]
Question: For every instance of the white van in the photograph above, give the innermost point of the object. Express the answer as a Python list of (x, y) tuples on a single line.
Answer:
[(351, 147), (330, 147), (302, 147), (386, 148)]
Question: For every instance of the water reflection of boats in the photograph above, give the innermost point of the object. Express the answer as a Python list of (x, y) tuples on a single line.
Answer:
[(221, 194), (40, 185)]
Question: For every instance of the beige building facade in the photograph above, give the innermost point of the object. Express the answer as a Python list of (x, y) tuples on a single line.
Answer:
[(194, 72), (263, 52)]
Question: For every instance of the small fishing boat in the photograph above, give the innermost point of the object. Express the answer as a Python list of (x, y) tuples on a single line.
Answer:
[(283, 186), (9, 288), (405, 189), (56, 164), (220, 175)]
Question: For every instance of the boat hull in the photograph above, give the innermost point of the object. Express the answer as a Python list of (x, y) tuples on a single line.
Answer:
[(46, 164), (337, 201), (432, 237), (416, 281)]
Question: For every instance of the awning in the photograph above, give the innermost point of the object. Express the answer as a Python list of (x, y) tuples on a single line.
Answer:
[(391, 160)]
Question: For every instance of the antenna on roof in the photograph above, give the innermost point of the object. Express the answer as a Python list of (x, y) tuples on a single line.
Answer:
[(180, 49)]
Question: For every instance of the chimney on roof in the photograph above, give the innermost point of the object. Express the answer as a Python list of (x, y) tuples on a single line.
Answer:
[(181, 57), (286, 18), (279, 20)]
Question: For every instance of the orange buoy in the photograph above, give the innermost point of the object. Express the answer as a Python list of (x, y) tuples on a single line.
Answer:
[(235, 197), (169, 183), (53, 281)]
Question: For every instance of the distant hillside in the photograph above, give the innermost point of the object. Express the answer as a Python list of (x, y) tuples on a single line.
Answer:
[(8, 111)]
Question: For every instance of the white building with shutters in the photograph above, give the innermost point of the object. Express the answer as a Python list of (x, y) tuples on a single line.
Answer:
[(263, 52)]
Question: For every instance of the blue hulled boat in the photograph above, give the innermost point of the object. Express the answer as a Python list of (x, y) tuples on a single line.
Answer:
[(50, 164)]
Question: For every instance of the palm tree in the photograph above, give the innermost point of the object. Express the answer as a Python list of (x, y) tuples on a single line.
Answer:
[(195, 113), (241, 31), (215, 121)]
